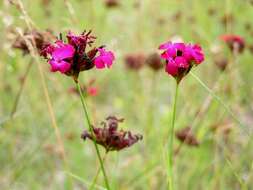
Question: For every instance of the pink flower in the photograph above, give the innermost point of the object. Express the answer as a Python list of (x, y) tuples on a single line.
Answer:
[(61, 55), (180, 58), (72, 57), (105, 59), (234, 42)]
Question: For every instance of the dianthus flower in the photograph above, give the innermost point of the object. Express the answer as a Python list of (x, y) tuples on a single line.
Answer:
[(180, 58), (72, 57), (110, 137), (235, 42)]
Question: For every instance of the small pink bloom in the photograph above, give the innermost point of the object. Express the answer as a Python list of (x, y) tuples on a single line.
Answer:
[(105, 59), (92, 91), (180, 58)]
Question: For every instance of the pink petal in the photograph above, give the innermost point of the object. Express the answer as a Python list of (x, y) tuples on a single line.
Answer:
[(171, 68), (61, 66), (63, 51)]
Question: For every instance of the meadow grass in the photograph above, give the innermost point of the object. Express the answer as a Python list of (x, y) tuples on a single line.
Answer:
[(30, 152)]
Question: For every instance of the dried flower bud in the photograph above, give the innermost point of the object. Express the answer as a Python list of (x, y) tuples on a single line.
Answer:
[(110, 137), (111, 3), (186, 136), (39, 38), (134, 61), (221, 62), (154, 61)]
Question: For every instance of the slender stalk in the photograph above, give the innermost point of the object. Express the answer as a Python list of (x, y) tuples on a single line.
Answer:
[(91, 131), (171, 138), (97, 174), (228, 110), (14, 108)]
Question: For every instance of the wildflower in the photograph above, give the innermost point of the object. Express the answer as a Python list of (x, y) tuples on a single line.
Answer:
[(154, 61), (38, 38), (72, 57), (134, 61), (180, 58), (235, 42), (110, 137), (186, 136)]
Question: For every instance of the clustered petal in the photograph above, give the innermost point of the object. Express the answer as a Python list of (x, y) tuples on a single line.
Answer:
[(110, 137), (105, 59), (72, 57), (180, 58)]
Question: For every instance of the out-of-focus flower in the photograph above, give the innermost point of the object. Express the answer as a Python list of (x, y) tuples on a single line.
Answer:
[(180, 58), (110, 137), (72, 57), (111, 3), (221, 62), (134, 61), (235, 42), (154, 61), (88, 89), (186, 136), (38, 38)]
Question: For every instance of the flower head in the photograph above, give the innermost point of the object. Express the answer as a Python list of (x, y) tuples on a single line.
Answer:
[(235, 42), (110, 137), (72, 57), (180, 58)]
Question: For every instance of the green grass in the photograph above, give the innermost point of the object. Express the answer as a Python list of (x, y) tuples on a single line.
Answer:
[(29, 156)]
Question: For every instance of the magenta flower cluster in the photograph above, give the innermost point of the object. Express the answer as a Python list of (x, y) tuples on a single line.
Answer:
[(72, 57), (180, 58)]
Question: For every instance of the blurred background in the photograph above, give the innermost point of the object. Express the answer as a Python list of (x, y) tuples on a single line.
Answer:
[(219, 154)]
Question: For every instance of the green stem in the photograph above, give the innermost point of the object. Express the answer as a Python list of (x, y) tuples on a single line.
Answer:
[(14, 108), (91, 131), (228, 110), (96, 176), (171, 137)]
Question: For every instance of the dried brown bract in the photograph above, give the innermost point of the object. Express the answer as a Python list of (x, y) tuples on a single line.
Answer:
[(38, 38), (110, 137), (186, 136)]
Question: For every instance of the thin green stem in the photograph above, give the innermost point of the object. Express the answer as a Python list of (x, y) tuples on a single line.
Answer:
[(228, 110), (14, 108), (94, 181), (171, 138), (91, 131)]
